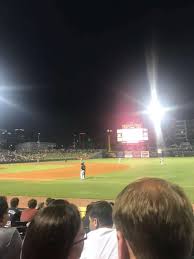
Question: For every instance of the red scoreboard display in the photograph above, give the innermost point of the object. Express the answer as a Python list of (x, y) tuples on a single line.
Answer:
[(132, 135)]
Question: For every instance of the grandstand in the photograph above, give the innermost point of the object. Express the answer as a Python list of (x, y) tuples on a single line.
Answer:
[(32, 154)]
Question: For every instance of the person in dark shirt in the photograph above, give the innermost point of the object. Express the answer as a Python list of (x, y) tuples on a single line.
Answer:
[(10, 240), (13, 212)]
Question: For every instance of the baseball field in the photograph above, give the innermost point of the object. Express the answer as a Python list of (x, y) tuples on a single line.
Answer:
[(105, 178)]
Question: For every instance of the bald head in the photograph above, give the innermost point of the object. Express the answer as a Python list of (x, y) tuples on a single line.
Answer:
[(156, 219)]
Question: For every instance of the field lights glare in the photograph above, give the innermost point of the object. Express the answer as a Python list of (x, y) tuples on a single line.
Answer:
[(156, 112)]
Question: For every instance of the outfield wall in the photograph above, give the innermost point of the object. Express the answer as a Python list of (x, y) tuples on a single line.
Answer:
[(146, 154)]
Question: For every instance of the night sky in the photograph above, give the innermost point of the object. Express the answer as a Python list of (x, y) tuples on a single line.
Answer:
[(68, 68)]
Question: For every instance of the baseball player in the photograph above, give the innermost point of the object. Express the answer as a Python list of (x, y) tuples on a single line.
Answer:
[(83, 171)]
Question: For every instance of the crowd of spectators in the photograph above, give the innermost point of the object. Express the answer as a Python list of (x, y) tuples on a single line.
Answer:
[(14, 157), (150, 219), (8, 157), (61, 154)]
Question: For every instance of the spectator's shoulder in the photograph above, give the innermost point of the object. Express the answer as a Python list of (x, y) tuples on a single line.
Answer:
[(7, 234), (100, 233)]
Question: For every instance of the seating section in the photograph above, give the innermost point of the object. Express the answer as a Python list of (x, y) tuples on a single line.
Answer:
[(48, 155)]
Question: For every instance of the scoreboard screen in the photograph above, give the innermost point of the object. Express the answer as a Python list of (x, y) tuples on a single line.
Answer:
[(132, 135)]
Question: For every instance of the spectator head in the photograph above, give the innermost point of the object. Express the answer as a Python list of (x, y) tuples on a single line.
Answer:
[(100, 215), (154, 219), (48, 201), (32, 204), (3, 211), (14, 202), (55, 232), (59, 202)]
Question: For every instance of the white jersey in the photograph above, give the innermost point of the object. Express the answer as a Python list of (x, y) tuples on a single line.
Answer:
[(82, 174), (100, 244)]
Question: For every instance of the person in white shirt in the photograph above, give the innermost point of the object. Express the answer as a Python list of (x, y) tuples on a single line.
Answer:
[(101, 242)]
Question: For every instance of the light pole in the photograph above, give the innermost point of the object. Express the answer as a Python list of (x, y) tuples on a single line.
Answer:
[(38, 140), (74, 140), (109, 131)]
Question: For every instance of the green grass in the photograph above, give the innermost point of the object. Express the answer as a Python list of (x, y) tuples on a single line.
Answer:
[(103, 186)]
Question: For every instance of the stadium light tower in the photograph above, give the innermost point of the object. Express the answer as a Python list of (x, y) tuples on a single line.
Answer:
[(38, 141), (109, 132), (38, 137)]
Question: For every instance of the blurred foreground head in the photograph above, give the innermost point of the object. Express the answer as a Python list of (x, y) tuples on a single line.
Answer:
[(154, 220), (3, 211), (55, 232)]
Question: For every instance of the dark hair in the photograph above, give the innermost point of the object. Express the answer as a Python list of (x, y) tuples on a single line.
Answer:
[(51, 233), (3, 207), (14, 202), (89, 206), (58, 202), (156, 219), (101, 210), (32, 204), (48, 201)]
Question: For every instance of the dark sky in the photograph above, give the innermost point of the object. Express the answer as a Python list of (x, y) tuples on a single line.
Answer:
[(67, 68)]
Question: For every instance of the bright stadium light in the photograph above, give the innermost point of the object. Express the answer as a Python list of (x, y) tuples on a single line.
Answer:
[(156, 112)]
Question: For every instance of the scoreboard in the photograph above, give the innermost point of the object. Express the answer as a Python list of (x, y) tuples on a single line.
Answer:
[(132, 135)]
